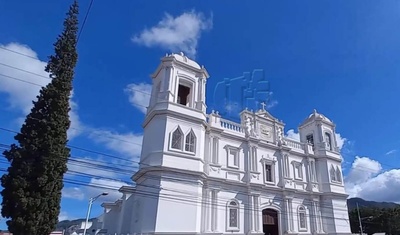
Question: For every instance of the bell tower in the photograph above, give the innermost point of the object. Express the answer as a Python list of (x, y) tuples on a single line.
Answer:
[(178, 82), (318, 131), (173, 148)]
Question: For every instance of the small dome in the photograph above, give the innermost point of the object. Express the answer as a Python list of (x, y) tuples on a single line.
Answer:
[(316, 116), (184, 59), (319, 116)]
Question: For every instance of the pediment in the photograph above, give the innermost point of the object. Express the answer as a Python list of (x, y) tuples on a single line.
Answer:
[(265, 115)]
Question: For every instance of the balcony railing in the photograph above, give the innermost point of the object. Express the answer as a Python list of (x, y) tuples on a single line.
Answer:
[(233, 126)]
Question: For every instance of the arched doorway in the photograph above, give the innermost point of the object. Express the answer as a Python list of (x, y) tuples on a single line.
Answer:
[(270, 222)]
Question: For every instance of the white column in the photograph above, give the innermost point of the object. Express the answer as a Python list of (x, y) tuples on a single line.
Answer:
[(208, 216), (319, 217), (250, 213), (313, 217), (216, 150), (256, 212), (214, 210), (289, 215), (210, 148)]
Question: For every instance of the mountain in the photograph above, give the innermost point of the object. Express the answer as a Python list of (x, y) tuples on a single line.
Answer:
[(70, 226), (352, 203)]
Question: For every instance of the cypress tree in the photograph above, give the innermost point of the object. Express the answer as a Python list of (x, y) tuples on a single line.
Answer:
[(38, 160)]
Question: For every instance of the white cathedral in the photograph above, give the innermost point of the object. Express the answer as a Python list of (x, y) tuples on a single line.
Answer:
[(202, 174)]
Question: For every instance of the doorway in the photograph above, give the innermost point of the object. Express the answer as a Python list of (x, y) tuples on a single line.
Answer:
[(270, 222)]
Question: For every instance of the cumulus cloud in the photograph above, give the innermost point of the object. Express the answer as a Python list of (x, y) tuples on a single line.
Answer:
[(12, 70), (22, 77), (340, 140), (180, 33), (367, 180), (363, 169), (104, 185), (73, 192), (139, 95), (90, 166), (95, 187), (64, 216), (292, 134), (126, 144)]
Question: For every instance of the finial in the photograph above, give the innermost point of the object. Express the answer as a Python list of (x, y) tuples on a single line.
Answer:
[(315, 111), (251, 110), (182, 54), (212, 111), (246, 109), (217, 113)]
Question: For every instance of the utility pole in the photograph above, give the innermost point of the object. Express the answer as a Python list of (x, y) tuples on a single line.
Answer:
[(359, 219)]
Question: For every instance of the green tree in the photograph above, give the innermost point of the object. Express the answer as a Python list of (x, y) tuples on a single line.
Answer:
[(376, 220), (38, 161)]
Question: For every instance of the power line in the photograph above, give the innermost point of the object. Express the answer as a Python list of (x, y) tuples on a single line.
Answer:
[(84, 21), (190, 200), (189, 182), (19, 53)]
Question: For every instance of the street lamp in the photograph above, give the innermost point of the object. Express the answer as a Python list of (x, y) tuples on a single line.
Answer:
[(91, 200)]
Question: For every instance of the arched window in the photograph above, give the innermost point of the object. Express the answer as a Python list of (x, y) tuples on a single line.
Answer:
[(338, 174), (302, 218), (233, 215), (310, 139), (332, 173), (190, 142), (185, 94), (328, 141), (177, 139)]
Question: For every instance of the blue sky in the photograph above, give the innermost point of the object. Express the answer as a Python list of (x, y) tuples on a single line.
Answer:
[(339, 57)]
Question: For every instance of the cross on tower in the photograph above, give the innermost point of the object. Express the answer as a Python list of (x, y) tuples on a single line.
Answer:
[(263, 105)]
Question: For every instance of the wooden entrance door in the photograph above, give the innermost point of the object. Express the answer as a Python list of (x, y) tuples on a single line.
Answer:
[(270, 222)]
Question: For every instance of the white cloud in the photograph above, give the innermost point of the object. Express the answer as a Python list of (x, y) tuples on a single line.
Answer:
[(139, 95), (73, 192), (363, 169), (180, 33), (127, 144), (64, 216), (367, 180), (95, 187), (271, 104), (15, 69), (90, 166), (340, 140), (21, 94), (105, 185), (391, 152), (292, 134)]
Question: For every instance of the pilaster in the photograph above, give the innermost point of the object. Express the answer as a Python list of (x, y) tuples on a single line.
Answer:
[(289, 223)]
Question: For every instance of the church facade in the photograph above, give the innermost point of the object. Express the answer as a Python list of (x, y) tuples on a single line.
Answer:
[(202, 174)]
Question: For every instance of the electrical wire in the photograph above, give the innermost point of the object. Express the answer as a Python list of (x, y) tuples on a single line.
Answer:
[(84, 20)]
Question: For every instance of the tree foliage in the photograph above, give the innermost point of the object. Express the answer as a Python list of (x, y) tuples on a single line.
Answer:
[(376, 220), (38, 161)]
